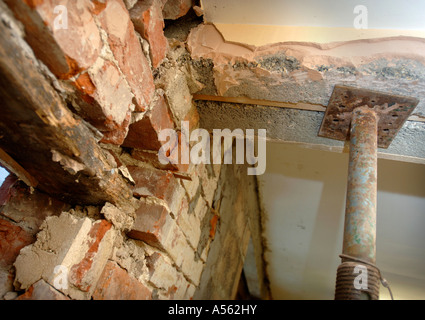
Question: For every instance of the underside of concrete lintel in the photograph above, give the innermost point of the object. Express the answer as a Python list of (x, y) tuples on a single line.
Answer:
[(302, 76)]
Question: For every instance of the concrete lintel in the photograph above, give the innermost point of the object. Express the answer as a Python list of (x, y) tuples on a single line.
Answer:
[(302, 126)]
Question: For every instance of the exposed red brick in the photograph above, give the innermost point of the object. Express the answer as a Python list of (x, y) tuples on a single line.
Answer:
[(61, 50), (87, 89), (127, 50), (74, 69), (152, 158), (148, 21), (149, 223), (108, 101), (155, 226), (41, 290), (12, 239), (80, 270), (175, 9), (116, 284), (144, 133), (154, 182), (117, 136)]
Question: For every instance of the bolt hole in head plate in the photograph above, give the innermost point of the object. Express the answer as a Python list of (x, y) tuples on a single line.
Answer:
[(392, 110)]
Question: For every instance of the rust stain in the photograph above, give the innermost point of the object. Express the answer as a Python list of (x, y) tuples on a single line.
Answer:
[(393, 111)]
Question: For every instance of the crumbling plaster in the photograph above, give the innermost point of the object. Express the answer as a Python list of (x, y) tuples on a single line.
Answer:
[(306, 73)]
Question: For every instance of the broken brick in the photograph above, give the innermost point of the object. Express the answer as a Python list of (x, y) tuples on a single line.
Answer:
[(151, 157), (127, 50), (105, 100), (81, 270), (117, 136), (144, 133), (116, 284), (12, 239), (155, 226), (157, 183), (65, 50), (80, 247), (151, 224), (164, 276), (175, 9), (148, 21)]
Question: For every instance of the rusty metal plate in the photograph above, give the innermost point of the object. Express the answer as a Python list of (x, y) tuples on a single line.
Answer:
[(393, 111)]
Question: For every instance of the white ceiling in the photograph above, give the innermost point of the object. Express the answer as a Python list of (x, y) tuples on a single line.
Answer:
[(303, 193), (382, 14)]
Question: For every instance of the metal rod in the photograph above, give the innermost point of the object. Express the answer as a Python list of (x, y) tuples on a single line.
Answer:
[(360, 211)]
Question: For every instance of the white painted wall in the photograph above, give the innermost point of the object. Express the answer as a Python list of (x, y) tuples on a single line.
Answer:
[(382, 14), (303, 194)]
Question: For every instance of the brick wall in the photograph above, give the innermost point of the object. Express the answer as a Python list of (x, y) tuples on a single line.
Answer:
[(118, 72)]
